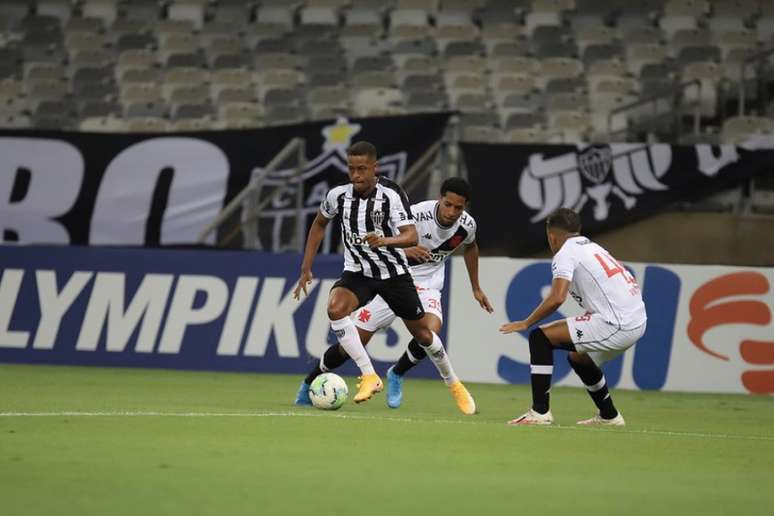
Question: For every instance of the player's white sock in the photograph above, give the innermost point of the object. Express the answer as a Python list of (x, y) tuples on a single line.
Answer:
[(350, 340), (440, 359)]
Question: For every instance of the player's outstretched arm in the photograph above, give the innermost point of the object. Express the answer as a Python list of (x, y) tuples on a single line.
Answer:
[(471, 262), (408, 237), (555, 298), (313, 239)]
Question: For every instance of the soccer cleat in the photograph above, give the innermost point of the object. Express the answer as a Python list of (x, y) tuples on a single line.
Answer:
[(531, 417), (462, 398), (598, 420), (302, 396), (369, 385), (394, 388)]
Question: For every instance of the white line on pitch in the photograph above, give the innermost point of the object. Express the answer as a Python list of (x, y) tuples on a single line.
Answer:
[(374, 417)]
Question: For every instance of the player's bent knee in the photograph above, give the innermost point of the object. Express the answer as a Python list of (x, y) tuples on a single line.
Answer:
[(424, 337), (338, 309), (537, 337), (336, 313)]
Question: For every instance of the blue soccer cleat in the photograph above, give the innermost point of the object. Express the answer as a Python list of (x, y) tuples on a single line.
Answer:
[(394, 389), (302, 396)]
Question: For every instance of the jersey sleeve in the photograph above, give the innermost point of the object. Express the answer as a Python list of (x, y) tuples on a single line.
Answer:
[(329, 206), (470, 225), (563, 265), (400, 210)]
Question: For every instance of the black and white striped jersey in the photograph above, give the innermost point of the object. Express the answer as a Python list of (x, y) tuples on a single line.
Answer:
[(383, 212)]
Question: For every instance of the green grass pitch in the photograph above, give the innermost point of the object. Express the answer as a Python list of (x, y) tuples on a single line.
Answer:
[(90, 441)]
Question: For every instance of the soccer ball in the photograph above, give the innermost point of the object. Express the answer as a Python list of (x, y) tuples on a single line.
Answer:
[(328, 391)]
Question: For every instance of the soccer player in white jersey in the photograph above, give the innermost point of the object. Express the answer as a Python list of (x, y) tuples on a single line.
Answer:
[(443, 225), (614, 320), (376, 224)]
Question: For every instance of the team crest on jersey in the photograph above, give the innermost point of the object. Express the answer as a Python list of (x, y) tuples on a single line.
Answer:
[(378, 217), (593, 174)]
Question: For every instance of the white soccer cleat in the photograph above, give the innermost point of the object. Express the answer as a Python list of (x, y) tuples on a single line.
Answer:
[(597, 420), (533, 418)]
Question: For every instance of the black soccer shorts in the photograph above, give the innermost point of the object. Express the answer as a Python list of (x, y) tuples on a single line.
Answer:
[(399, 292)]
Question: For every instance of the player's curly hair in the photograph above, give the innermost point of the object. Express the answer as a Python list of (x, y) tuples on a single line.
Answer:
[(456, 185), (564, 219), (362, 148)]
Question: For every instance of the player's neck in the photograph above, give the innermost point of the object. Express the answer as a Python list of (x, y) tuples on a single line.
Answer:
[(564, 238), (438, 220), (367, 193)]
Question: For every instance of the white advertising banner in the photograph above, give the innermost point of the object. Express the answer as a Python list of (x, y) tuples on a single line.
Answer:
[(709, 328)]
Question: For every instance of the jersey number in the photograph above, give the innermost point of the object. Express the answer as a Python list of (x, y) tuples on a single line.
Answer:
[(612, 267)]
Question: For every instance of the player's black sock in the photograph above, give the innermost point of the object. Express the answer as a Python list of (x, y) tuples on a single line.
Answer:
[(541, 361), (411, 357), (594, 380), (333, 357)]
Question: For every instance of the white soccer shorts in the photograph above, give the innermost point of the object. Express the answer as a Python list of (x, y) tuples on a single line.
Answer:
[(376, 315), (602, 341)]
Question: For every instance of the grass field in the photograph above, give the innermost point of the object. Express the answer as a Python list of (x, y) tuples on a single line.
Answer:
[(88, 441)]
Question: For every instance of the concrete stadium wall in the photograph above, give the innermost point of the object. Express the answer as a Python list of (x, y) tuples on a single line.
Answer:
[(693, 238)]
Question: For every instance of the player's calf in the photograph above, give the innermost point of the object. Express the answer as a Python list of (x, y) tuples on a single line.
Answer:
[(594, 380)]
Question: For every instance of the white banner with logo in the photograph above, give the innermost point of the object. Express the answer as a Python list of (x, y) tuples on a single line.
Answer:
[(710, 328)]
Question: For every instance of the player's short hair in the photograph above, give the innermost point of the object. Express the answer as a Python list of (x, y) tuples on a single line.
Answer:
[(456, 185), (564, 219), (362, 148)]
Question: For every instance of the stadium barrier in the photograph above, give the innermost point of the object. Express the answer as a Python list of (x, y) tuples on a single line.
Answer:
[(709, 329)]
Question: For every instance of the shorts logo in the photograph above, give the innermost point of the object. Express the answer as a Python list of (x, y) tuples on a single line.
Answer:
[(419, 310), (364, 315), (427, 236), (578, 334), (339, 333)]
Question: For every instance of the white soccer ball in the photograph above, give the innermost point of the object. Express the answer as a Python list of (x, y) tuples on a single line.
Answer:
[(328, 391)]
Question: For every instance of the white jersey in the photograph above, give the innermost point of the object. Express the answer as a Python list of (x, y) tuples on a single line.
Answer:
[(440, 240), (384, 211), (600, 284)]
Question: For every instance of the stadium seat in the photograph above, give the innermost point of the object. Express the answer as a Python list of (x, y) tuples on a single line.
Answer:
[(147, 125), (737, 130), (482, 134), (105, 10), (102, 124)]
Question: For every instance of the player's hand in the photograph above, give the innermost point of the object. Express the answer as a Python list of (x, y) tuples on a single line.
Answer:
[(374, 240), (303, 282), (479, 295), (513, 327), (419, 253)]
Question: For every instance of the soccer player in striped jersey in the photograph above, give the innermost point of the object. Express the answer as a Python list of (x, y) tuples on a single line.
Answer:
[(615, 319), (376, 225), (443, 226)]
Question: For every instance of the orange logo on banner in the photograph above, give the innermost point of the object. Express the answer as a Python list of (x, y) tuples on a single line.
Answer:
[(707, 313)]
